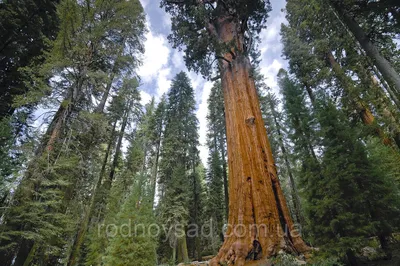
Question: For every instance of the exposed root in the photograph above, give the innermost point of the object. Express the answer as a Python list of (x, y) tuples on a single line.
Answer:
[(240, 254)]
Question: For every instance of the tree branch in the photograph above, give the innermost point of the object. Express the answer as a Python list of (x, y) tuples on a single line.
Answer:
[(215, 78), (223, 58), (175, 2)]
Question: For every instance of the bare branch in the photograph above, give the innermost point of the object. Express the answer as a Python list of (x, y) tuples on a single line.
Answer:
[(215, 78)]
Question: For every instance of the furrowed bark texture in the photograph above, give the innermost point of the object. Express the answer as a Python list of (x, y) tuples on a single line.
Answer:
[(258, 213)]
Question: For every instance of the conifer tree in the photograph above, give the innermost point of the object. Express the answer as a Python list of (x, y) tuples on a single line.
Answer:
[(216, 141), (156, 134), (320, 55), (300, 124), (80, 61), (224, 30), (178, 178), (276, 117), (348, 211), (131, 203), (26, 30), (125, 109), (385, 67)]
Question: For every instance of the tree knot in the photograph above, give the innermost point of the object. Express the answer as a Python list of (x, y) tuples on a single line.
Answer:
[(250, 120)]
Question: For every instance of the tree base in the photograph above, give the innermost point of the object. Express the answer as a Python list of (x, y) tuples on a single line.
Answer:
[(261, 262), (252, 255)]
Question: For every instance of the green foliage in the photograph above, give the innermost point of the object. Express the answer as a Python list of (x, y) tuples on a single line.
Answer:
[(8, 160), (41, 223), (284, 259), (178, 181), (355, 202), (26, 31), (195, 27), (134, 243), (97, 41)]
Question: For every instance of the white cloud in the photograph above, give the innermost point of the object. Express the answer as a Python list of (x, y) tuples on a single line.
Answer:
[(270, 38), (202, 117), (144, 3), (167, 20), (145, 97), (155, 57), (177, 59), (163, 81), (270, 73)]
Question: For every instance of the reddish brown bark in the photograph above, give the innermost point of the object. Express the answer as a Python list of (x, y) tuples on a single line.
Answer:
[(258, 213)]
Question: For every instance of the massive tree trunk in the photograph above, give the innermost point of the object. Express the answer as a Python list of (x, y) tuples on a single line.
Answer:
[(383, 65), (258, 213)]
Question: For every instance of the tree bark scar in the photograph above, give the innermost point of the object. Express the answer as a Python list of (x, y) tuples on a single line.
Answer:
[(250, 121)]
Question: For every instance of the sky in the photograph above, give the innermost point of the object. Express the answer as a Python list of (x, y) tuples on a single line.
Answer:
[(161, 62)]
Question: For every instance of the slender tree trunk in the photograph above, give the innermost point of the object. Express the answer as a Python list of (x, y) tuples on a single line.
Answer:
[(295, 197), (224, 173), (80, 237), (388, 89), (310, 94), (258, 215), (174, 254), (383, 104), (53, 135), (361, 107), (196, 215), (117, 150), (182, 250), (155, 171), (383, 65), (102, 104)]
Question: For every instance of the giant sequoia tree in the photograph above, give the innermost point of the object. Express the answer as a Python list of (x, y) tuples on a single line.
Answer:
[(210, 30)]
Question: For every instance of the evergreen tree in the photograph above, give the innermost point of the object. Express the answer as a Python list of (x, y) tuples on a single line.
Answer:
[(326, 55), (224, 31), (389, 73), (26, 30), (134, 243), (216, 142), (55, 176), (353, 194), (300, 124), (132, 208), (178, 166), (156, 134)]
